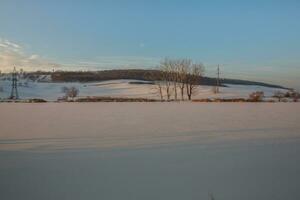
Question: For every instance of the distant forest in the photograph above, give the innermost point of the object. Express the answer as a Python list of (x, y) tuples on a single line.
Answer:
[(138, 74)]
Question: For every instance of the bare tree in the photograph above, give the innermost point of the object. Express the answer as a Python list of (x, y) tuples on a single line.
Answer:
[(184, 66), (256, 96), (178, 75), (160, 90), (158, 84), (166, 71), (175, 76), (71, 92), (193, 79), (294, 95), (279, 95)]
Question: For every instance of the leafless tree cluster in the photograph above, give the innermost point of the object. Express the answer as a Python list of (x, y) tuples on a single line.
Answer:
[(283, 96), (295, 96), (178, 79), (257, 96), (70, 92)]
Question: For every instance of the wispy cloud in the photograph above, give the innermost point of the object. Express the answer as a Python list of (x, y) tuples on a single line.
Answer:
[(14, 55)]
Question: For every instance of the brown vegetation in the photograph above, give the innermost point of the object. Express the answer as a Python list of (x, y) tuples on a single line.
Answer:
[(114, 99), (71, 92), (256, 96)]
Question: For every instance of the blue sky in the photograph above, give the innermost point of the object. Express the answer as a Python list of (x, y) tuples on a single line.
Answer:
[(256, 40)]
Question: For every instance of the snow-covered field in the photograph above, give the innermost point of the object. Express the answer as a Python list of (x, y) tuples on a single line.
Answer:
[(121, 88), (149, 151)]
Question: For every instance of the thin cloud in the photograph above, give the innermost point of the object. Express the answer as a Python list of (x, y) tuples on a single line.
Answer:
[(14, 55)]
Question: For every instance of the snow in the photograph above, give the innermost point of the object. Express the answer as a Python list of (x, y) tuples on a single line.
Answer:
[(139, 123), (149, 151), (120, 88), (236, 91)]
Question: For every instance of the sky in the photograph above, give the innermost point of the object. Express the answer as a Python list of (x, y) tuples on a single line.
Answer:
[(255, 40)]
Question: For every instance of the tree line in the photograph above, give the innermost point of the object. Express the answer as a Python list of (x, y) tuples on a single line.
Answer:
[(178, 79)]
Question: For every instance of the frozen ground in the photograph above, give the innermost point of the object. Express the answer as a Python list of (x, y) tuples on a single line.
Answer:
[(122, 88), (134, 151)]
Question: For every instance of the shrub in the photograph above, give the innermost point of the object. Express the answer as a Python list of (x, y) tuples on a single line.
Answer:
[(256, 96), (295, 96), (71, 92), (36, 101), (279, 95)]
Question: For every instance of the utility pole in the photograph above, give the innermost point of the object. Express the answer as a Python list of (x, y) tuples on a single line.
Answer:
[(218, 79), (14, 85)]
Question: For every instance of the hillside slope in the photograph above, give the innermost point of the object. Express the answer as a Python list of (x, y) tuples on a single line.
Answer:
[(139, 74)]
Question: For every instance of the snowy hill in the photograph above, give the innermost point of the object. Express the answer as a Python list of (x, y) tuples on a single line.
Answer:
[(42, 87)]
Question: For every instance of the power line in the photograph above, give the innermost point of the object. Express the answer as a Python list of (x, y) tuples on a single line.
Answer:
[(218, 79), (14, 86)]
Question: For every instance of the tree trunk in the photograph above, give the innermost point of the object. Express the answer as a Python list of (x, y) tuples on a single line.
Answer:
[(160, 93), (175, 91), (168, 93), (182, 93)]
